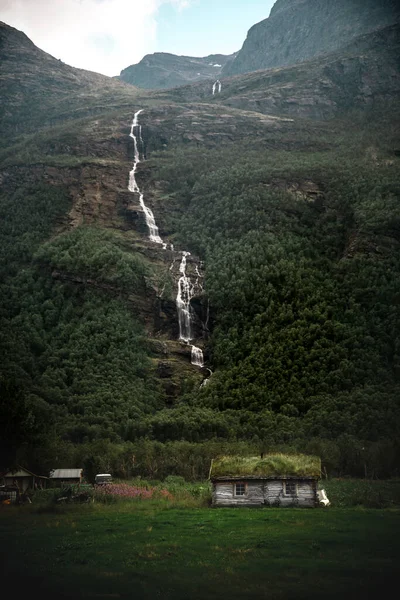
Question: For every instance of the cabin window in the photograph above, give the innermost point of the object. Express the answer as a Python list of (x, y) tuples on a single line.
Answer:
[(240, 489), (290, 488)]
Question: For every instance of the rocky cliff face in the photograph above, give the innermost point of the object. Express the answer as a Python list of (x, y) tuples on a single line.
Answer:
[(298, 30), (162, 70)]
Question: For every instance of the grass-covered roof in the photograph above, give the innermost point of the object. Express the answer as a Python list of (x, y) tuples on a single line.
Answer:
[(286, 465)]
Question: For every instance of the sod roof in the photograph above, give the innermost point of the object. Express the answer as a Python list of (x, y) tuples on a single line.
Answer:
[(283, 465)]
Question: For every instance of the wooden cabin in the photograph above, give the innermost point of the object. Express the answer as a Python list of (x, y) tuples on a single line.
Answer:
[(274, 480), (23, 479), (62, 477)]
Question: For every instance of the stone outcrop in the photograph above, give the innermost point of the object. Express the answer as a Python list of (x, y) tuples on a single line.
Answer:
[(298, 30)]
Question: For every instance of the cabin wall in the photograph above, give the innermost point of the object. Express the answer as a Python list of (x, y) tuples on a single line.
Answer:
[(306, 495), (23, 482), (270, 492), (56, 482), (223, 494)]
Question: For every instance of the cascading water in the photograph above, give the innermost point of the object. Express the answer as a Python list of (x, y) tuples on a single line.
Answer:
[(197, 357), (208, 378), (183, 298), (217, 87), (185, 294), (133, 186), (185, 287)]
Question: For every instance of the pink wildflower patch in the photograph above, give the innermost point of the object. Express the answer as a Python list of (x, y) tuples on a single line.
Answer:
[(124, 490)]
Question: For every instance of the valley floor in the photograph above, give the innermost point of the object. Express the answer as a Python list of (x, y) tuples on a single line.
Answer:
[(153, 552)]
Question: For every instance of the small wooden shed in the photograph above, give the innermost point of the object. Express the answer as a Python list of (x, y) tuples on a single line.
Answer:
[(23, 479), (274, 480), (60, 477)]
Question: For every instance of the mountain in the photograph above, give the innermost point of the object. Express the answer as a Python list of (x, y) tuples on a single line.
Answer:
[(298, 30), (364, 73), (290, 215), (37, 89), (162, 70)]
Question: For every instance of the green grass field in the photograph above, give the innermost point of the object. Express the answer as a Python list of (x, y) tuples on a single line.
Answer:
[(153, 549)]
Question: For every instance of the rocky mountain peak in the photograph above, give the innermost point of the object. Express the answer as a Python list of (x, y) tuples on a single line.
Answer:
[(298, 30), (282, 5)]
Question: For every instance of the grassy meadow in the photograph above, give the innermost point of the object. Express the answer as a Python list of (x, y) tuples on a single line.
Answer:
[(177, 547)]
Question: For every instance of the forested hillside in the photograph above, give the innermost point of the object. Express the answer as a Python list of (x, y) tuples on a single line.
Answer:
[(302, 276), (293, 225)]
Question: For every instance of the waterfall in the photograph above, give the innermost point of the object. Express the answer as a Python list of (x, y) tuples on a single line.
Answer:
[(133, 186), (183, 298), (185, 287), (208, 378), (197, 357), (217, 87), (185, 294)]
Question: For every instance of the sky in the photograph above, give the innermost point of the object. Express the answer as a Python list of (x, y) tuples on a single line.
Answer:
[(107, 36)]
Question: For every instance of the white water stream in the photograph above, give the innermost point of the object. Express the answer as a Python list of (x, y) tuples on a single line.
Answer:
[(183, 298), (133, 186), (208, 378), (217, 87), (185, 287)]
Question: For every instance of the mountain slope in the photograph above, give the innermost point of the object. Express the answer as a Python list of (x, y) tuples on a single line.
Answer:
[(37, 90), (365, 74), (298, 30), (162, 70), (293, 228)]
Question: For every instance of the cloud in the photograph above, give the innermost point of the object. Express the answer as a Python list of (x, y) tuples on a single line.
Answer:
[(100, 35)]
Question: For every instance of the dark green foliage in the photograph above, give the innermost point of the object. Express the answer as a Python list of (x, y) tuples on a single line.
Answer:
[(346, 493), (77, 354), (24, 419), (303, 288), (27, 217), (301, 251), (297, 222), (304, 313), (97, 253), (153, 459), (83, 353)]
